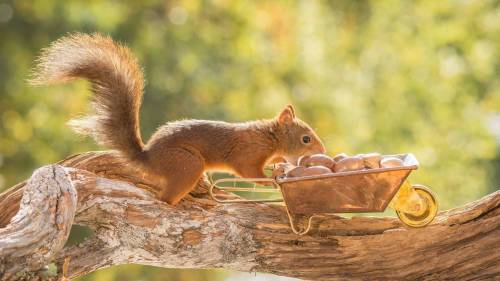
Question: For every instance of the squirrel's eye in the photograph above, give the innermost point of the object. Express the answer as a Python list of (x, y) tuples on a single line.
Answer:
[(306, 139)]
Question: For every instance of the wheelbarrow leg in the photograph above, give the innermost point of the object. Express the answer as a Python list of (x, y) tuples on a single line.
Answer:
[(292, 223), (407, 200)]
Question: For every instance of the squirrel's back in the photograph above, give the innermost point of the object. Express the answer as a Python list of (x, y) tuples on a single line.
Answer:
[(216, 141), (117, 82)]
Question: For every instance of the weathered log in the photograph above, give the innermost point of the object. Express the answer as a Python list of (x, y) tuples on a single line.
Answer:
[(41, 227), (131, 226)]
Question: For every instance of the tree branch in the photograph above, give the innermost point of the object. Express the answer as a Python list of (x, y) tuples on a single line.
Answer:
[(41, 227), (131, 226)]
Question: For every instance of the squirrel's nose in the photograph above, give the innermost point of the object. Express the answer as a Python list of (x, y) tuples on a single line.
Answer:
[(322, 148)]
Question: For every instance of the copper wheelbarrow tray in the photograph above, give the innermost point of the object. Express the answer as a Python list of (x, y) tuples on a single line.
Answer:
[(346, 192), (370, 190)]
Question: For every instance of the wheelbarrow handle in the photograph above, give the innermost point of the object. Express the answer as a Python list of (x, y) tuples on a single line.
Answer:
[(271, 181)]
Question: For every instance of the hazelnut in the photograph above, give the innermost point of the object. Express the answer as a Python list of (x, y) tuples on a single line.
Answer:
[(349, 164), (389, 162), (317, 160), (372, 160), (301, 171)]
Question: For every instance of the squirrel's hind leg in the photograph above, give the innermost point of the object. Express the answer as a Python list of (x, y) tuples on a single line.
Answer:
[(182, 173)]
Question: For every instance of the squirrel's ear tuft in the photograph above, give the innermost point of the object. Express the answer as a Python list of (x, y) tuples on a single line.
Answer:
[(291, 109), (287, 115)]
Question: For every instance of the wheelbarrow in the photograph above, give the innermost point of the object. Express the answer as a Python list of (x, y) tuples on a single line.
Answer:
[(361, 191)]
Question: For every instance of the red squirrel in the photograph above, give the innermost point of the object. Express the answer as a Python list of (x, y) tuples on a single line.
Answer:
[(179, 152)]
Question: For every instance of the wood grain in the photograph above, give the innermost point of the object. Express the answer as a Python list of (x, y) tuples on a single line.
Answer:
[(131, 226)]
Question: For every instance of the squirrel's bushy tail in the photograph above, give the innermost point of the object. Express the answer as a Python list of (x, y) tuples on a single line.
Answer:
[(117, 82)]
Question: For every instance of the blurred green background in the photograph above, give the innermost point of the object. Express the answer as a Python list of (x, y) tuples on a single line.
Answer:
[(386, 76)]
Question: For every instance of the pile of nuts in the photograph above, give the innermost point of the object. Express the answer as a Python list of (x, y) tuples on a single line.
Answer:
[(319, 164)]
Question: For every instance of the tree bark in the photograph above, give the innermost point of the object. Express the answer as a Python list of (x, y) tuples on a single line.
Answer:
[(129, 225)]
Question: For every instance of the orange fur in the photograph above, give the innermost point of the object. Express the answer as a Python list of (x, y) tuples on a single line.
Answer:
[(179, 152)]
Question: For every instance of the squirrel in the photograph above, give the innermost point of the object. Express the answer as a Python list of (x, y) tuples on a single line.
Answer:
[(179, 152)]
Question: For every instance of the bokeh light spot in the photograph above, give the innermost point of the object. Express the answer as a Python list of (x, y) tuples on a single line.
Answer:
[(178, 15), (6, 12)]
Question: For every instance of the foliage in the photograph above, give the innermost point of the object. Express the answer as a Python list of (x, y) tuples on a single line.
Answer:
[(387, 76)]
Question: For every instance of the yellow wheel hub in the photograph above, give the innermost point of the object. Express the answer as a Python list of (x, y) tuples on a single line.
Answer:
[(423, 211)]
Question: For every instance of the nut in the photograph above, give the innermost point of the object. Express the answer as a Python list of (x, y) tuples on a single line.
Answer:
[(317, 160), (389, 162), (349, 164)]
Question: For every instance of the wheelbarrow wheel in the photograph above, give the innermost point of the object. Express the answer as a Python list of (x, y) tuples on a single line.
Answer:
[(428, 210)]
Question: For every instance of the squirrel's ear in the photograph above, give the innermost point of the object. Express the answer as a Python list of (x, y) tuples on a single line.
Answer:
[(291, 109), (286, 115)]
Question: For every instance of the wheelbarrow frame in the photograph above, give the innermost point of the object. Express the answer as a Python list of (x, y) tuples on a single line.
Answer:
[(361, 187)]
